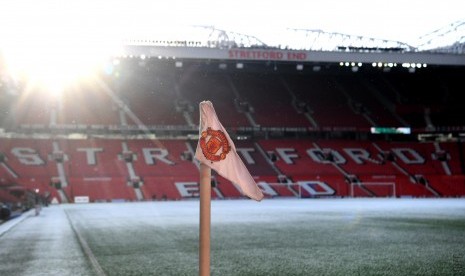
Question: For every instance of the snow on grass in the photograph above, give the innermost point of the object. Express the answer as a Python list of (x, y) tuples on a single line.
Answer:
[(279, 237)]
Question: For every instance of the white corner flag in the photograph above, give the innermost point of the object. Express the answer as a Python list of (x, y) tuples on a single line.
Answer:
[(216, 150)]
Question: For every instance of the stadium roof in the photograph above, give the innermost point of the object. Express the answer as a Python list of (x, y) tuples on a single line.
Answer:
[(54, 41), (407, 59), (207, 42)]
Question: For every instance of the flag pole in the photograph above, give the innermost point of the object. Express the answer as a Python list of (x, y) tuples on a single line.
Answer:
[(204, 235)]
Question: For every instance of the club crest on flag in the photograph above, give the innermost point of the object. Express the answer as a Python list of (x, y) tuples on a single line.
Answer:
[(217, 140), (216, 150)]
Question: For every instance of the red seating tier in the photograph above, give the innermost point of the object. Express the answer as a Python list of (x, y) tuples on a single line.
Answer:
[(336, 182), (161, 158), (33, 107), (329, 106), (87, 104), (360, 94), (93, 158), (415, 158), (163, 187), (27, 158), (227, 189), (201, 86), (277, 110), (162, 163), (100, 189), (253, 159), (448, 186), (150, 96)]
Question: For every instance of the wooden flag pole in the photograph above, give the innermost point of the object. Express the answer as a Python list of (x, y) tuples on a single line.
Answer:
[(204, 235)]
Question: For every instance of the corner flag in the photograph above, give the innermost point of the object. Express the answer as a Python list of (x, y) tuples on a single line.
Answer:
[(216, 150)]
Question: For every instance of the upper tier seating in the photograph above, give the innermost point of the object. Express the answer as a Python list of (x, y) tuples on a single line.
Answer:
[(155, 93), (271, 103), (200, 86)]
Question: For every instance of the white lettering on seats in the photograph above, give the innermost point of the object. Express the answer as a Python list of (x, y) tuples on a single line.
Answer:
[(150, 154), (188, 189), (409, 156), (319, 156), (91, 154), (316, 188), (287, 154), (27, 156), (360, 155)]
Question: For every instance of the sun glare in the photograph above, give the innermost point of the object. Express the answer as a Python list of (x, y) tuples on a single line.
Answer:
[(52, 66), (51, 44)]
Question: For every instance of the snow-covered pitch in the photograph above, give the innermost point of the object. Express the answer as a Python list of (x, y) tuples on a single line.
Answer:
[(273, 237)]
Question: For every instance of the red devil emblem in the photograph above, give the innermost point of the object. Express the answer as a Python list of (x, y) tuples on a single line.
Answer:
[(217, 140)]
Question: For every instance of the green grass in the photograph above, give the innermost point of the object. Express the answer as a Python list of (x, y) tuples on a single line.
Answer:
[(279, 238)]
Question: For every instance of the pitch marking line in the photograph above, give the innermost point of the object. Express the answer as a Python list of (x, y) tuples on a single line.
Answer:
[(85, 247)]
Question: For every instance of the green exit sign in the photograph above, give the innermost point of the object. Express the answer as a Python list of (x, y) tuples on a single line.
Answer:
[(390, 130)]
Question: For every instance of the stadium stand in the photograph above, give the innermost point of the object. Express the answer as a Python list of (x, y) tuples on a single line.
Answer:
[(31, 107), (299, 134), (327, 104), (101, 189), (363, 101), (149, 93), (227, 189), (196, 86), (94, 158), (95, 106), (161, 158), (25, 158), (255, 158), (99, 168), (277, 111)]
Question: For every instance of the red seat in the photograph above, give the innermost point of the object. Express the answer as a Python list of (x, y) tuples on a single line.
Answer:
[(100, 189)]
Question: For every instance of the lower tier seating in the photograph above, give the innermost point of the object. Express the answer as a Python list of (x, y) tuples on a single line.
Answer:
[(130, 170)]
